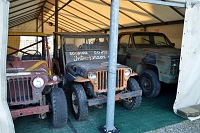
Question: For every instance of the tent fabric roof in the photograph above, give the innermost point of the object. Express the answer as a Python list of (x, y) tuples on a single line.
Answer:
[(93, 15)]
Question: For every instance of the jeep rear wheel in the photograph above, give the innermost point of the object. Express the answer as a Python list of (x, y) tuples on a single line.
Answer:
[(134, 102), (149, 83), (79, 102), (59, 108)]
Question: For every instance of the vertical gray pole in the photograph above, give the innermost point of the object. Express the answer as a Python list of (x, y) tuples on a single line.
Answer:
[(112, 65), (6, 122)]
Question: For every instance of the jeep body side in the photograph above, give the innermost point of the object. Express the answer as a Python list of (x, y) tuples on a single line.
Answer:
[(82, 59), (152, 56), (31, 86)]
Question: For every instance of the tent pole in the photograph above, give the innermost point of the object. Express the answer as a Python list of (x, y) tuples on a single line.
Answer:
[(109, 127)]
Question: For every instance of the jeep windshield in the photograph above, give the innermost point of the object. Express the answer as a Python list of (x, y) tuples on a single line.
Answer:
[(75, 44), (87, 41)]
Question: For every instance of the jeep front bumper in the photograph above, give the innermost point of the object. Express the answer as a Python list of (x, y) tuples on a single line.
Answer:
[(119, 96)]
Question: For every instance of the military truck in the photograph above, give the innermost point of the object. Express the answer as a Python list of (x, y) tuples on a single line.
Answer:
[(152, 56), (32, 89), (82, 60)]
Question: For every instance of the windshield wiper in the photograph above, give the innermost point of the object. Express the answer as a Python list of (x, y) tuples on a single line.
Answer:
[(147, 40)]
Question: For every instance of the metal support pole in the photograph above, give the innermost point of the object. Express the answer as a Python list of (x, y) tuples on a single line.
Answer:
[(56, 15), (109, 127), (42, 19), (37, 31), (37, 25)]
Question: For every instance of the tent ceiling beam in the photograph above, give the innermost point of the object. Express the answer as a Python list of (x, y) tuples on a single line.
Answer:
[(83, 19), (95, 12), (25, 8), (11, 26), (123, 13), (58, 11), (22, 4), (158, 2), (147, 11), (29, 11), (78, 24), (177, 11)]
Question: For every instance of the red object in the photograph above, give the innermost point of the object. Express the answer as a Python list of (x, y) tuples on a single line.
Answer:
[(29, 111), (16, 63)]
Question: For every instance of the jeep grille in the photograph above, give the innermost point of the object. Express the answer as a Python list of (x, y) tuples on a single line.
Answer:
[(19, 90), (103, 79), (174, 66)]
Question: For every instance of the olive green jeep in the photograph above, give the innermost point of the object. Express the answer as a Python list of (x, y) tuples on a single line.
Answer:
[(81, 60), (152, 56)]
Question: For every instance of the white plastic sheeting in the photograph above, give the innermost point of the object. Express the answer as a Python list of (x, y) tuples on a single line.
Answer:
[(189, 85), (6, 123)]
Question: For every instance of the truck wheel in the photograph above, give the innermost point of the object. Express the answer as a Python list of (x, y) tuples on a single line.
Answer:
[(59, 107), (149, 83), (134, 102), (79, 102)]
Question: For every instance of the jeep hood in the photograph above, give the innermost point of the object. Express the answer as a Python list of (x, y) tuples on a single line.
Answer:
[(26, 65), (83, 67), (172, 52)]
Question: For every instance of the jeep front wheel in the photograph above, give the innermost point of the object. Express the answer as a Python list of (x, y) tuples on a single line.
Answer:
[(79, 102), (149, 83), (134, 102), (59, 108)]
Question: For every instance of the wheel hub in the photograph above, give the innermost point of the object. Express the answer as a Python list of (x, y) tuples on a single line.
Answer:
[(146, 84), (74, 103)]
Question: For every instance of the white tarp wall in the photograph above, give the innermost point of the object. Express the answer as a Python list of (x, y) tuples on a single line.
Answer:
[(188, 92), (6, 123)]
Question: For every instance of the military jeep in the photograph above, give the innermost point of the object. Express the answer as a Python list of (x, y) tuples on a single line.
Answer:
[(82, 59), (31, 87), (152, 56)]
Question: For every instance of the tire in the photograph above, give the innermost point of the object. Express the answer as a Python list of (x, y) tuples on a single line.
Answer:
[(149, 84), (134, 102), (59, 108), (78, 102)]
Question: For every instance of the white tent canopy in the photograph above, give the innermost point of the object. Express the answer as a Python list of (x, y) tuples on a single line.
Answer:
[(188, 85)]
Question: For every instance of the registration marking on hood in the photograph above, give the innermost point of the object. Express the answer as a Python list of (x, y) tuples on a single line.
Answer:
[(87, 55)]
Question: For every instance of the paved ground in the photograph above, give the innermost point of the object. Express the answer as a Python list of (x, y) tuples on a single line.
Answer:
[(183, 127)]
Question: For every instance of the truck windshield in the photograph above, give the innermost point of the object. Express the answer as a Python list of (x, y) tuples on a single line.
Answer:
[(151, 41)]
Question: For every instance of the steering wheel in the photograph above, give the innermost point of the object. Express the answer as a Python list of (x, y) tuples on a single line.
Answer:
[(80, 47), (29, 54), (158, 43), (96, 40)]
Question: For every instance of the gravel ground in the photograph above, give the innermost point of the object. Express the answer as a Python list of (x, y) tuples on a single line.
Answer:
[(186, 126)]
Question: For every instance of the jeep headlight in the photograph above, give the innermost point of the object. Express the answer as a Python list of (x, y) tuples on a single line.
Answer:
[(173, 63), (92, 75), (38, 82), (127, 72)]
